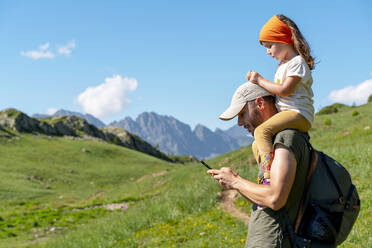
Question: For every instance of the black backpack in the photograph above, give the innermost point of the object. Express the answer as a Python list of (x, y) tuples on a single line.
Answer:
[(329, 206)]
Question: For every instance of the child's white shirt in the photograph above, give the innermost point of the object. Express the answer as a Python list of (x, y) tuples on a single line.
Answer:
[(301, 99)]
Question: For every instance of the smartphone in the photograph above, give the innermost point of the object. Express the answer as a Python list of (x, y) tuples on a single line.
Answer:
[(205, 164)]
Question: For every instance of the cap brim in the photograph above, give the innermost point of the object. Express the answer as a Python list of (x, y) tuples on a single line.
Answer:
[(231, 112)]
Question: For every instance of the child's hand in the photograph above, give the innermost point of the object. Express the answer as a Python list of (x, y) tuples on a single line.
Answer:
[(248, 76), (253, 76)]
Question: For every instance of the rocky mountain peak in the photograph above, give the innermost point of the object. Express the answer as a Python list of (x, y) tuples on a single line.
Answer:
[(175, 137)]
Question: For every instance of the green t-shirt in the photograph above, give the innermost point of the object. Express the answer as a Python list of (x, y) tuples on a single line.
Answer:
[(266, 228)]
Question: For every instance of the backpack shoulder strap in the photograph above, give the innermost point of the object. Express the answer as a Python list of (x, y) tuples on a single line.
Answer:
[(312, 165)]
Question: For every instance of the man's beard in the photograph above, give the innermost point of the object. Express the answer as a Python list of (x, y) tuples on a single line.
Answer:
[(256, 120)]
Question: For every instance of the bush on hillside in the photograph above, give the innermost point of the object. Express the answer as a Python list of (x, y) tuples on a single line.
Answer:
[(370, 98), (183, 159), (355, 113), (327, 122), (334, 108)]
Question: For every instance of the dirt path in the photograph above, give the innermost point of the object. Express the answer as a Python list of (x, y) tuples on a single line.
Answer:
[(113, 206), (227, 200), (158, 174)]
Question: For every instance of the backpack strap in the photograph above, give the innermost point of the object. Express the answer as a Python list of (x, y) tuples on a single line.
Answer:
[(312, 165)]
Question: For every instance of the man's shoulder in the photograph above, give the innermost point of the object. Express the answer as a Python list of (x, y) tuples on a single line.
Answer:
[(290, 134), (296, 141)]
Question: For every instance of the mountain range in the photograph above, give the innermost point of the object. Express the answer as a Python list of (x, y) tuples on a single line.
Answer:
[(172, 136), (175, 137)]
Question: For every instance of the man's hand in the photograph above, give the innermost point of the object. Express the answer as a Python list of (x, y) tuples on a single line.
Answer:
[(253, 76), (227, 177), (275, 195)]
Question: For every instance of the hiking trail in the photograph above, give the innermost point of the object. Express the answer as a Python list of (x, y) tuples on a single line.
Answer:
[(227, 200)]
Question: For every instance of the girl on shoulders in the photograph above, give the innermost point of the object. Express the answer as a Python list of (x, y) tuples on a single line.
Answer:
[(292, 86)]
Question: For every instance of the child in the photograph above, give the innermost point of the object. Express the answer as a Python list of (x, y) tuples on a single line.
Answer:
[(292, 86)]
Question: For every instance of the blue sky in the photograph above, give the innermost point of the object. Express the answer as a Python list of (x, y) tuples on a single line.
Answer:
[(181, 58)]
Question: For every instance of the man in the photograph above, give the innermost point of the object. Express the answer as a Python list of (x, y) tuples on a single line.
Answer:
[(282, 193)]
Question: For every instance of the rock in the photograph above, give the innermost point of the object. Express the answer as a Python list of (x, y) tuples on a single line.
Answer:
[(114, 206), (20, 122)]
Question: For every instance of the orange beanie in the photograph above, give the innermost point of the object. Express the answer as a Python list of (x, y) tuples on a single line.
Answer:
[(276, 31)]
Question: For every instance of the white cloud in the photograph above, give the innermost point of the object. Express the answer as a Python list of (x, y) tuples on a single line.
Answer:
[(352, 94), (44, 47), (42, 53), (109, 97), (51, 111), (67, 49)]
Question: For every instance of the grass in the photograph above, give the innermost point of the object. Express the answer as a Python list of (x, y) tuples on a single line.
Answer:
[(183, 213), (44, 180), (48, 184)]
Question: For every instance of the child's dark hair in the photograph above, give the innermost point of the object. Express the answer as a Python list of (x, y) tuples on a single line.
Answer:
[(300, 44)]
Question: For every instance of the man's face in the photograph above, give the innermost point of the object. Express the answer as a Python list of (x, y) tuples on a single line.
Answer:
[(249, 117)]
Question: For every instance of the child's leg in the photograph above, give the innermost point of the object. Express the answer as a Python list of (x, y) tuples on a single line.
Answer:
[(256, 154), (264, 133)]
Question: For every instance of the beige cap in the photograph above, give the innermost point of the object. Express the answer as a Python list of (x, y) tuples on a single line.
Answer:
[(243, 94)]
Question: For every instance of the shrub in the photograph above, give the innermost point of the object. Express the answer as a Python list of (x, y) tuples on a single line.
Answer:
[(182, 159), (334, 108), (329, 110), (370, 98), (355, 113), (327, 122), (116, 141)]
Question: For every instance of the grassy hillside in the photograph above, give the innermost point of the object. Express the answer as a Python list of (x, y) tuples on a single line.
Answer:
[(48, 187), (45, 182)]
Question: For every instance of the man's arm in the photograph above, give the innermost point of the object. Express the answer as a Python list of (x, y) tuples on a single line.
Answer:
[(275, 195)]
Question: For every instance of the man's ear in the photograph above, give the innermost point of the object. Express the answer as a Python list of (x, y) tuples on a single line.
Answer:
[(260, 103)]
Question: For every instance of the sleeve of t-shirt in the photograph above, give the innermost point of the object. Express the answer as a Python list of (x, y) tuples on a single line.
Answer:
[(294, 141), (297, 67)]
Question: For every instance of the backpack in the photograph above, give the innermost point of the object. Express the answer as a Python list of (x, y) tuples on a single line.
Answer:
[(329, 206)]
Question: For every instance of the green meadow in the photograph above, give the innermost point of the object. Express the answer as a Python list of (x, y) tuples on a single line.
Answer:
[(55, 191)]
